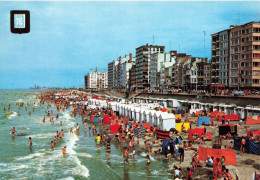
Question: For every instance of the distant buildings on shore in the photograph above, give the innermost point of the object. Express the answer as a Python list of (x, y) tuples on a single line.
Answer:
[(234, 64), (38, 87)]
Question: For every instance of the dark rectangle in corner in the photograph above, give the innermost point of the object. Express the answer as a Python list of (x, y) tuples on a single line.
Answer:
[(20, 21)]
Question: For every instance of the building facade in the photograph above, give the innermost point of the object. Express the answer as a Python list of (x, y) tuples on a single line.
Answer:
[(143, 57), (96, 80), (245, 56), (112, 73)]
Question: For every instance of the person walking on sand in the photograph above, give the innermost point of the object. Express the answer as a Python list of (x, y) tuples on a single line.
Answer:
[(243, 145), (126, 157), (148, 162), (189, 174)]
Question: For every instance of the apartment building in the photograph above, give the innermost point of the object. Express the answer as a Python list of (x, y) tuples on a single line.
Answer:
[(132, 78), (215, 59), (207, 76), (177, 69), (244, 66), (112, 74), (126, 65), (156, 71), (96, 80), (143, 58)]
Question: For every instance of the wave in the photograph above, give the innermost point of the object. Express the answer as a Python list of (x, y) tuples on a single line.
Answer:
[(12, 115), (35, 155), (84, 155), (143, 154), (80, 169), (20, 100), (12, 167), (67, 178), (42, 136)]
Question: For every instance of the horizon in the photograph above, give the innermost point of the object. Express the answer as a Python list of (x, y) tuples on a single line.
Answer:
[(69, 38)]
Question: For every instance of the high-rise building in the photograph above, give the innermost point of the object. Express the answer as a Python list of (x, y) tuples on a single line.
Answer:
[(215, 59), (96, 80), (132, 77), (235, 57), (126, 64), (245, 56), (143, 57), (112, 73)]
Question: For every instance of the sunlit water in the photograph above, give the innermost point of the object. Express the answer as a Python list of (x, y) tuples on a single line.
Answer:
[(18, 161)]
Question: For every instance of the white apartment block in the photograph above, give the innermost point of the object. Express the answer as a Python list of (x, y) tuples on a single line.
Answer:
[(96, 80)]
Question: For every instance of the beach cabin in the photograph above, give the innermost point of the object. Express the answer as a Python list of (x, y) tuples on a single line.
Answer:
[(125, 113), (137, 113), (173, 103), (252, 111), (113, 105), (151, 118), (156, 117), (141, 115), (166, 121), (195, 106), (121, 109), (146, 115)]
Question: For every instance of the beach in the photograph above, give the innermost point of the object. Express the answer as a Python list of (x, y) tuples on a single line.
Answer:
[(83, 161)]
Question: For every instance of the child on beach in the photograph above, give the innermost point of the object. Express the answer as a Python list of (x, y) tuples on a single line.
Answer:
[(64, 150), (13, 131), (98, 138), (189, 174), (71, 130), (108, 148), (126, 157), (52, 145), (148, 162), (134, 152), (30, 139)]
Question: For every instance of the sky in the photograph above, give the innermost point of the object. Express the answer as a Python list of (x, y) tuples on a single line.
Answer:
[(67, 39)]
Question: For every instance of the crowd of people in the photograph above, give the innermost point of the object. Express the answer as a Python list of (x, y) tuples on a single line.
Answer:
[(134, 138)]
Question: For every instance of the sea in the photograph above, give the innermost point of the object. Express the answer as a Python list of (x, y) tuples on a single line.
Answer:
[(83, 161)]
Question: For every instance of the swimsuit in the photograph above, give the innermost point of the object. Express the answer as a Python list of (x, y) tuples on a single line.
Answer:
[(108, 147)]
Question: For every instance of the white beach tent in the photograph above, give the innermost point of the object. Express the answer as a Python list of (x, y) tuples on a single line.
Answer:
[(151, 119), (141, 115), (121, 109), (113, 105), (156, 117), (125, 109), (136, 113), (129, 112), (132, 111), (146, 115), (166, 121)]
